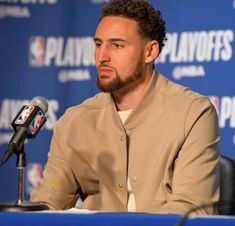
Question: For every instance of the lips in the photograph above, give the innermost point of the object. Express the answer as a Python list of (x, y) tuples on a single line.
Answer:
[(105, 71)]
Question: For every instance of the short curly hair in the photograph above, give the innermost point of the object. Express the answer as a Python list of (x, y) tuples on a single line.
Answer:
[(149, 19)]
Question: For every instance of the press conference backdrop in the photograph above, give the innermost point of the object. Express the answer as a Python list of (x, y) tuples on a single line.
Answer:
[(46, 49)]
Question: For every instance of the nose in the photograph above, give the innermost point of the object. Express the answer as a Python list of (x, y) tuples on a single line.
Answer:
[(102, 54)]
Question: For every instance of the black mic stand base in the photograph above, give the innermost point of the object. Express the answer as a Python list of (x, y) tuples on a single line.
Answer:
[(24, 206)]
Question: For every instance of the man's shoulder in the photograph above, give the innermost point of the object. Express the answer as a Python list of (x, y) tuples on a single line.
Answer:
[(88, 106), (181, 97), (97, 102), (81, 116), (176, 90)]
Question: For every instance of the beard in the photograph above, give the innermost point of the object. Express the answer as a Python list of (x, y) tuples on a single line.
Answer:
[(117, 83)]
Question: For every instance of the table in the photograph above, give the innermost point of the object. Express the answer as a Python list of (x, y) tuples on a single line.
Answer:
[(107, 219)]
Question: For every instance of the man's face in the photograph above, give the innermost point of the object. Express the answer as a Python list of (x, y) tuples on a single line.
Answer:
[(118, 54)]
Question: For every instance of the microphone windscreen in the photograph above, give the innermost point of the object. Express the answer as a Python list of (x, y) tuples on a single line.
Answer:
[(40, 102)]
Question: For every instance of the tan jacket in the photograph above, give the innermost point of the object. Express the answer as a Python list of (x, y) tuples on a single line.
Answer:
[(168, 147)]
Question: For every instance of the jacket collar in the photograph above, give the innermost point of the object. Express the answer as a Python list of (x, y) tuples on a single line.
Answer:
[(145, 104)]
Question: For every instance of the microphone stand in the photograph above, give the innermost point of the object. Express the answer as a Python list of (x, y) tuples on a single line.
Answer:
[(20, 204)]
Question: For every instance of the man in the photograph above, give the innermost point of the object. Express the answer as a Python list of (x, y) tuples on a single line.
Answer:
[(143, 144)]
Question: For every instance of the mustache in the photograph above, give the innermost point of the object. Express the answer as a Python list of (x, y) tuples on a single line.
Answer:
[(107, 66)]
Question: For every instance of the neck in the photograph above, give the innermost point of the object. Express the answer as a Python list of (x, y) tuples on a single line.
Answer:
[(129, 97)]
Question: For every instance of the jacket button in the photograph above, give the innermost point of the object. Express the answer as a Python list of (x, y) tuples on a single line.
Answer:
[(120, 185), (122, 138), (134, 179)]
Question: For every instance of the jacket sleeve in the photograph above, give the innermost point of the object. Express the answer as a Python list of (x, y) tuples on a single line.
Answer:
[(58, 187), (196, 168)]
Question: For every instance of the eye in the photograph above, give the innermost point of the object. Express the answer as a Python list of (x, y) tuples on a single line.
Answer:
[(97, 44), (117, 45)]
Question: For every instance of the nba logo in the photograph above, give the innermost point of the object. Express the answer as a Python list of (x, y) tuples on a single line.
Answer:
[(37, 122), (36, 51), (21, 119), (34, 173)]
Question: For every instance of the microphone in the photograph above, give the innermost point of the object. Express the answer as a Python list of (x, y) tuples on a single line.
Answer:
[(26, 124)]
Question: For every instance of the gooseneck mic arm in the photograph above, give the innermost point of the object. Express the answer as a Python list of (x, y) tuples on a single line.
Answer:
[(20, 136)]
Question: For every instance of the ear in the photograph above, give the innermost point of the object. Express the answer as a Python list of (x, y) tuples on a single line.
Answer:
[(151, 51)]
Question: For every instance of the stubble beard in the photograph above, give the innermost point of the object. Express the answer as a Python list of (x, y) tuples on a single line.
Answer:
[(117, 83)]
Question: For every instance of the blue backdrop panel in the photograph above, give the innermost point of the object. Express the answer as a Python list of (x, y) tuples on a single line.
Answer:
[(46, 49)]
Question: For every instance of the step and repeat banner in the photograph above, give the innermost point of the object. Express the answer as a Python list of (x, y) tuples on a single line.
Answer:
[(46, 49)]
